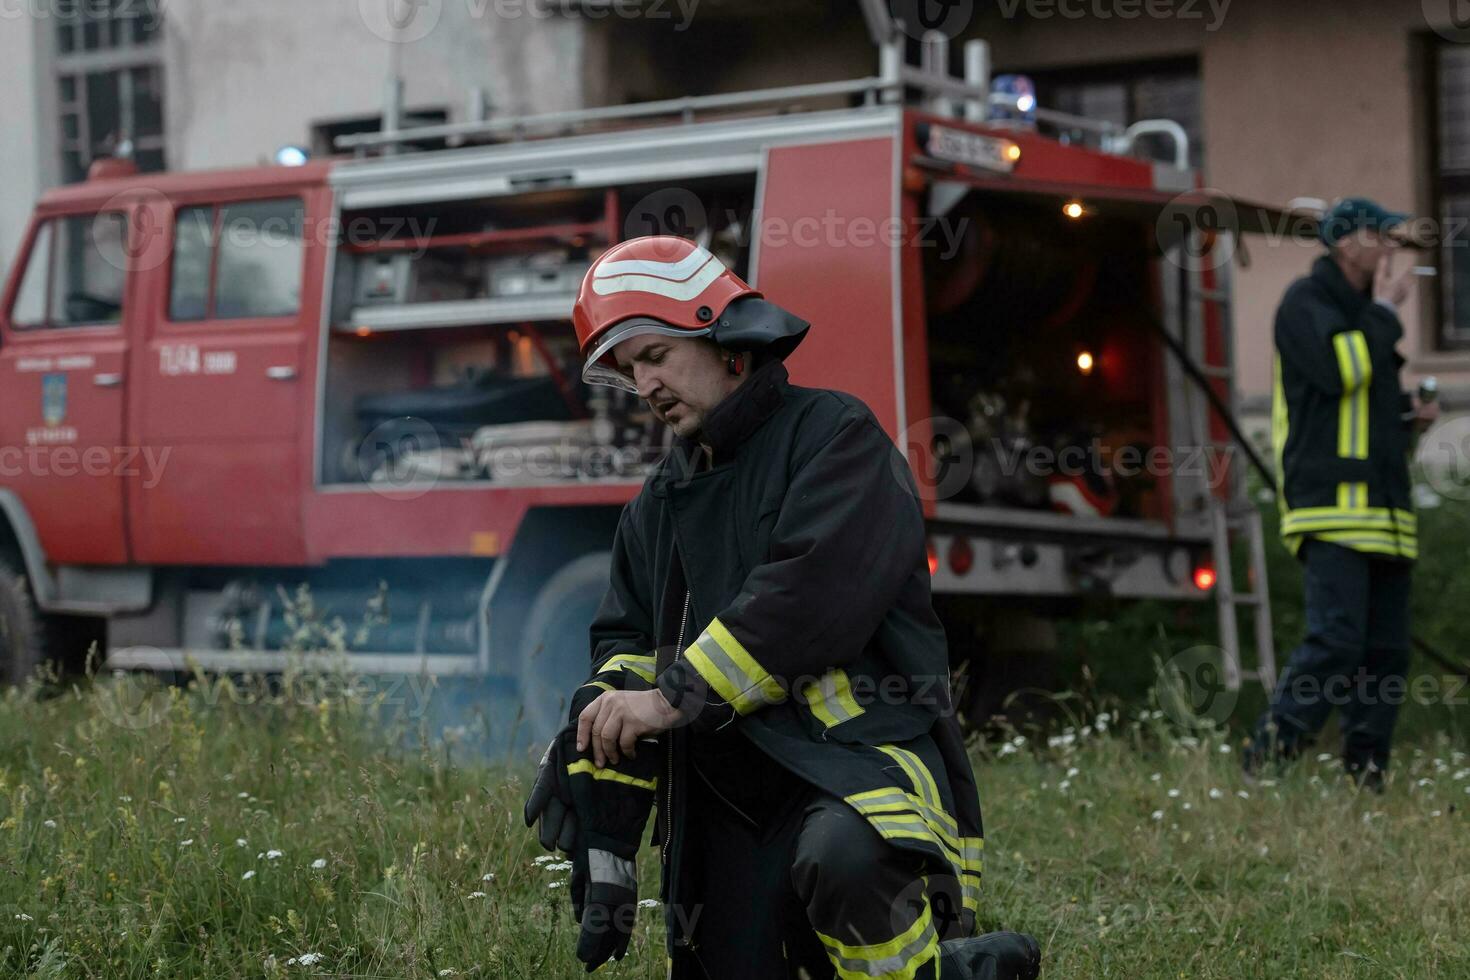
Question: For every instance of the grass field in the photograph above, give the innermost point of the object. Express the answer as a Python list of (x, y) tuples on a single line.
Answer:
[(214, 832)]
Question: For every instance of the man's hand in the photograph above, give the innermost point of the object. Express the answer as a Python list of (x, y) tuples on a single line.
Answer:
[(613, 724), (1391, 288)]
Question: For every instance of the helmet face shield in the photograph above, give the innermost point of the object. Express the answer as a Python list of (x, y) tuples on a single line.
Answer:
[(602, 369)]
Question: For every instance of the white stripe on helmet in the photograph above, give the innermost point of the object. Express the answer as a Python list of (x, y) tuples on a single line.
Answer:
[(678, 291), (678, 271)]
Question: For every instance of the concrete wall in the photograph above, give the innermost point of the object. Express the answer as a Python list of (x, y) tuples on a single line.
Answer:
[(20, 152)]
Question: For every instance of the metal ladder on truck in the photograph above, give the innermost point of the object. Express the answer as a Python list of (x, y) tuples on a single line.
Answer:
[(1232, 515)]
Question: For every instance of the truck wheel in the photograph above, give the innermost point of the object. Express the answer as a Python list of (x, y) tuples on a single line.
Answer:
[(554, 650), (26, 636)]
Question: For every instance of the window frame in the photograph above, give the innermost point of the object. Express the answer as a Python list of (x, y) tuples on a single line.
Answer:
[(48, 327), (217, 207), (1444, 185)]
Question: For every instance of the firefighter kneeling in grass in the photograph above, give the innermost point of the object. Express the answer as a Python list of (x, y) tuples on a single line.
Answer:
[(768, 673)]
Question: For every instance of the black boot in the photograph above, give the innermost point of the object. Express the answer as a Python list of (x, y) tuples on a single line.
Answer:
[(993, 956)]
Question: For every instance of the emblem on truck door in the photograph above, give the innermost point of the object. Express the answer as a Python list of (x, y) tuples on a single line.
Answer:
[(53, 398)]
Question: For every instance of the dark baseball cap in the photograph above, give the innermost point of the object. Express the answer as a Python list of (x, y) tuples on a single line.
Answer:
[(1357, 214)]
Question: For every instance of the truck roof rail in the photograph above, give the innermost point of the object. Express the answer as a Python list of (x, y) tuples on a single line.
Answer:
[(936, 89)]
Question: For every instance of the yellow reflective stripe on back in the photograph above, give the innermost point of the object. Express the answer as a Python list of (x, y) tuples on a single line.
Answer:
[(900, 958), (1352, 414), (589, 768), (1374, 542), (1352, 496), (730, 669), (634, 663), (830, 698)]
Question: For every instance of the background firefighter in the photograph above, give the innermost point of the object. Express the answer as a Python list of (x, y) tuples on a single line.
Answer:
[(768, 620), (1343, 429)]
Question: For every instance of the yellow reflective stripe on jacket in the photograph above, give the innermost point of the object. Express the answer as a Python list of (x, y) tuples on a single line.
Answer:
[(587, 767), (919, 775), (830, 698), (729, 668), (1352, 412), (900, 958), (1309, 520), (1373, 542), (896, 813), (1352, 496), (634, 663)]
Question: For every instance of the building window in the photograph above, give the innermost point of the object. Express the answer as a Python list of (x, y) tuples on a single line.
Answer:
[(1451, 188), (239, 261), (1126, 94), (110, 83)]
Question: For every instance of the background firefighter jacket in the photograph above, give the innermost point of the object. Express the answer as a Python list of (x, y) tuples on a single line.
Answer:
[(810, 627), (1337, 418)]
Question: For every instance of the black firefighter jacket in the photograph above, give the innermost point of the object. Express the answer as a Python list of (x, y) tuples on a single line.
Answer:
[(809, 621), (1338, 418)]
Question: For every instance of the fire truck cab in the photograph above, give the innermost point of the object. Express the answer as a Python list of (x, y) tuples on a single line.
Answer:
[(215, 387)]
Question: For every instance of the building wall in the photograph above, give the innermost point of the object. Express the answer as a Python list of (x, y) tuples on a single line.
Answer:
[(20, 157)]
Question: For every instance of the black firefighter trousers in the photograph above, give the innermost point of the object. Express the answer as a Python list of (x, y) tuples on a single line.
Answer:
[(816, 893)]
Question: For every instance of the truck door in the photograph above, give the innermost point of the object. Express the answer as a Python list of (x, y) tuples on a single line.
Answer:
[(62, 382), (227, 382)]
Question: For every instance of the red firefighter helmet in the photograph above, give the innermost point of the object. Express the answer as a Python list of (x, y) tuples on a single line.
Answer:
[(656, 284)]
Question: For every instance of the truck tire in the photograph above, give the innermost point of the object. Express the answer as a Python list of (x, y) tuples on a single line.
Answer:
[(26, 636), (554, 650)]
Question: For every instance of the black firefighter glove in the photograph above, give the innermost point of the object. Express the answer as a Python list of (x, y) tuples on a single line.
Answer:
[(550, 801), (612, 807)]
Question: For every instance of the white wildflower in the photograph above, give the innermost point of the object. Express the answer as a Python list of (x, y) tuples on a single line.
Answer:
[(558, 866), (1173, 794), (1216, 793), (49, 823), (543, 858), (125, 799), (555, 884), (488, 876), (1189, 806), (1324, 757), (178, 819), (1156, 777), (1424, 782), (242, 796), (1072, 772), (1242, 794), (186, 843), (648, 903), (239, 842), (1224, 749), (319, 863), (272, 855), (475, 895), (248, 875), (1158, 814), (21, 916)]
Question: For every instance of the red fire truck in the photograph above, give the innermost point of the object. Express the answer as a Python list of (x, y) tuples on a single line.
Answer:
[(217, 385)]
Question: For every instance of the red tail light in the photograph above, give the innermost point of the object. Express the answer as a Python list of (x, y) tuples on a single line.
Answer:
[(961, 555), (1204, 577), (933, 558)]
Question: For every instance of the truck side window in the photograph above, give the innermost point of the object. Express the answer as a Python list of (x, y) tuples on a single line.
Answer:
[(30, 302), (253, 265), (84, 259), (188, 297)]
